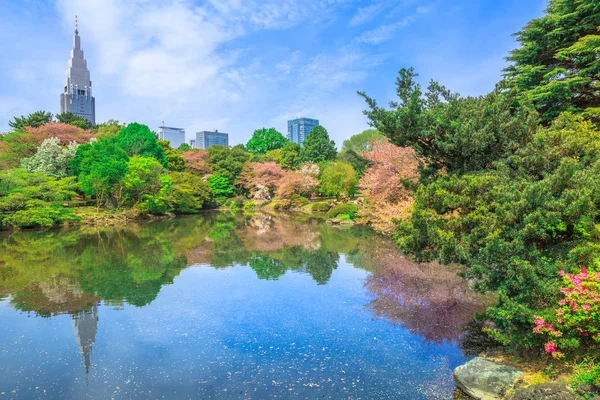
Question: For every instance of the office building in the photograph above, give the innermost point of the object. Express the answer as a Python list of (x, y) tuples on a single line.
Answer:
[(175, 136), (299, 128), (205, 139), (77, 91)]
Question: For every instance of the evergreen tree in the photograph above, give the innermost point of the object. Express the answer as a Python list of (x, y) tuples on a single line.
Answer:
[(317, 146), (264, 140), (69, 118), (557, 68), (34, 120), (138, 140)]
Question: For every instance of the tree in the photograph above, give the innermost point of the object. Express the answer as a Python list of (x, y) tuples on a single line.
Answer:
[(264, 139), (34, 120), (183, 147), (255, 176), (296, 183), (288, 157), (358, 162), (228, 162), (190, 192), (386, 185), (317, 147), (142, 178), (220, 185), (556, 67), (100, 166), (138, 140), (51, 158), (110, 128), (196, 162), (68, 117), (450, 132), (363, 141), (338, 179), (175, 161)]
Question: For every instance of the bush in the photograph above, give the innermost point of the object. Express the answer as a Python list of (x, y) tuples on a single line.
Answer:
[(322, 206), (249, 205), (348, 208), (40, 217), (190, 192), (295, 201), (236, 203)]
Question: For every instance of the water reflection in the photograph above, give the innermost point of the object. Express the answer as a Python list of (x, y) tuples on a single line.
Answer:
[(77, 271)]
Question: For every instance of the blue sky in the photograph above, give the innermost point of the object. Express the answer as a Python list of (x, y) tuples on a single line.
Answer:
[(238, 65)]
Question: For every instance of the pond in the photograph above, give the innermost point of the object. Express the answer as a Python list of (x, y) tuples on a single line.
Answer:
[(225, 306)]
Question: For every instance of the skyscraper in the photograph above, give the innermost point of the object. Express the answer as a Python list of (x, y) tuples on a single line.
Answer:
[(205, 139), (299, 128), (77, 92), (175, 136)]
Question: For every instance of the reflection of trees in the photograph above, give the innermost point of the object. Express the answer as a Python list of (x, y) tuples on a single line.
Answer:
[(430, 300)]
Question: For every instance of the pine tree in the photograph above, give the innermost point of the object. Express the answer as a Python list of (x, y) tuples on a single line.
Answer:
[(317, 146)]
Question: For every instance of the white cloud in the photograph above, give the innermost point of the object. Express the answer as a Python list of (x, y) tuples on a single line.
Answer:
[(386, 32), (365, 14)]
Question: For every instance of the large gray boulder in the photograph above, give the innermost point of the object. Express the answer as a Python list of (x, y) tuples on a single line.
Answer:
[(546, 391), (483, 379)]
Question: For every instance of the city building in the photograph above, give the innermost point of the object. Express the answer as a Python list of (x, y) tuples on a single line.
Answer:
[(205, 139), (192, 143), (175, 136), (77, 92), (298, 129)]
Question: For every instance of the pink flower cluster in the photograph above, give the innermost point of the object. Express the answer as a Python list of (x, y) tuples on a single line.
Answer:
[(578, 314)]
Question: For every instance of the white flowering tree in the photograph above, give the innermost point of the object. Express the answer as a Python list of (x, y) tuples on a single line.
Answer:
[(51, 158)]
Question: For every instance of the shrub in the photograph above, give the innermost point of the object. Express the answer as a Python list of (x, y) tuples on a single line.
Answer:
[(249, 205), (190, 192), (322, 206), (295, 201), (40, 217), (236, 203), (347, 208), (220, 185), (338, 179), (576, 323)]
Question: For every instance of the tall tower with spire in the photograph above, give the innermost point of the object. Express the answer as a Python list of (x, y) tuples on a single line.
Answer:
[(77, 92)]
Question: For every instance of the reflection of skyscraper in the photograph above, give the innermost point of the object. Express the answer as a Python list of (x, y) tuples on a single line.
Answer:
[(85, 326)]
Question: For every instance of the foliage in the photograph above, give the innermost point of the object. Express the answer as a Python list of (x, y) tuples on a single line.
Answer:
[(317, 147), (264, 140), (556, 67), (183, 147), (51, 158), (449, 132), (190, 192), (338, 178), (143, 178), (175, 161), (362, 142), (288, 157), (321, 206), (34, 120), (20, 189), (159, 201), (138, 140), (386, 185), (45, 216), (228, 162), (343, 209), (110, 128), (291, 202), (69, 118), (220, 185), (358, 162), (256, 176), (17, 145), (577, 319), (196, 162), (100, 166), (296, 183)]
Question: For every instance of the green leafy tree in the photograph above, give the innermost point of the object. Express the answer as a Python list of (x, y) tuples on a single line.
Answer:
[(450, 132), (34, 120), (288, 157), (69, 118), (183, 147), (359, 163), (190, 192), (110, 128), (362, 142), (100, 166), (51, 158), (317, 147), (556, 67), (228, 162), (338, 178), (138, 140), (142, 178), (264, 139), (175, 161), (220, 185)]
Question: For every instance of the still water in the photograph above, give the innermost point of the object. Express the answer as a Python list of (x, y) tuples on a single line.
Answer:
[(225, 306)]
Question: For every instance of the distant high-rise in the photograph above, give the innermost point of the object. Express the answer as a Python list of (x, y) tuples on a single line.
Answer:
[(85, 326), (175, 136), (77, 92), (299, 128), (205, 139)]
